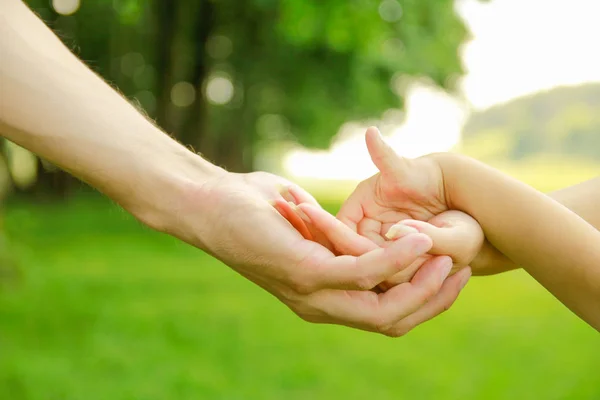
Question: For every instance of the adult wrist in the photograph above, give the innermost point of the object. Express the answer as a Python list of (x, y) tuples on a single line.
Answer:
[(173, 179)]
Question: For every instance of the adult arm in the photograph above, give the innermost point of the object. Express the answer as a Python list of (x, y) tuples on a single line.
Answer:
[(53, 105)]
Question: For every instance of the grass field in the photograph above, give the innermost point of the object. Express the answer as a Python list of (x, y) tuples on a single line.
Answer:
[(105, 309)]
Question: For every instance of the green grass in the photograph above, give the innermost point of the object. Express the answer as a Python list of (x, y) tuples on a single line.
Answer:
[(105, 309)]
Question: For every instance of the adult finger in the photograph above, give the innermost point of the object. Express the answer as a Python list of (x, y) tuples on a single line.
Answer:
[(381, 312), (405, 275), (364, 272), (407, 298), (299, 195), (286, 210), (344, 239), (437, 305), (304, 225)]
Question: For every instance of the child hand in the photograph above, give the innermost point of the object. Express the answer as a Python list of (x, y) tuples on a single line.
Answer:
[(453, 233), (405, 189)]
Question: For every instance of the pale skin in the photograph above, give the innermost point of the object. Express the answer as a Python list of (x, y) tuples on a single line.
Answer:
[(552, 243), (53, 105)]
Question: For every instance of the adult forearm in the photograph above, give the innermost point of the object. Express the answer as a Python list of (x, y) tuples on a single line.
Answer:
[(55, 106), (552, 243)]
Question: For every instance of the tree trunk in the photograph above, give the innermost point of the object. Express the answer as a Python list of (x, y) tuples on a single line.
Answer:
[(235, 144), (165, 30), (230, 154), (53, 184), (194, 126)]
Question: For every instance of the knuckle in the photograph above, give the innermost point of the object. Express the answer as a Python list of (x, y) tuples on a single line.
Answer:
[(302, 286), (301, 282), (398, 331), (383, 324), (446, 305), (365, 283), (303, 309), (427, 292), (313, 319), (395, 331)]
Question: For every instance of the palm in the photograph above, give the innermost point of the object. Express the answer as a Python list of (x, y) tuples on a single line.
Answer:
[(404, 189)]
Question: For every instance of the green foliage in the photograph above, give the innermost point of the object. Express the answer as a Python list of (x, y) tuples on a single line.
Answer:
[(561, 121), (333, 61), (108, 310), (313, 64)]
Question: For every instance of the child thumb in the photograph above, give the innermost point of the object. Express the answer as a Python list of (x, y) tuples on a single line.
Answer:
[(383, 156)]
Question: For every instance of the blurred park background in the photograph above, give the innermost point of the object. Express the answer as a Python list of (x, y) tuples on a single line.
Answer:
[(95, 306)]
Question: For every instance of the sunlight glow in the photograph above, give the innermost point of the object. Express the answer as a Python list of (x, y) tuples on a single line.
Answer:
[(66, 7), (219, 90), (183, 94), (517, 48), (521, 47), (390, 10), (423, 132)]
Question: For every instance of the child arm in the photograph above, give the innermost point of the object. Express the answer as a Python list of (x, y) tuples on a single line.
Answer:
[(556, 246)]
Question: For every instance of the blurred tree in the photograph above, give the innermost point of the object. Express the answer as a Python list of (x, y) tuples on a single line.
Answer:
[(226, 76), (301, 68)]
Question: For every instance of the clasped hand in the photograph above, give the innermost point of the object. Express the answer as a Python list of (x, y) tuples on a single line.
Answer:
[(386, 264)]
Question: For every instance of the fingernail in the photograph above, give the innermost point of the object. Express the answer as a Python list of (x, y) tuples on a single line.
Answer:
[(400, 230), (298, 210), (422, 247), (283, 189), (445, 269)]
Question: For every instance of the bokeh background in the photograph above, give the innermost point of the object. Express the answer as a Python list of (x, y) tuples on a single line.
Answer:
[(95, 306)]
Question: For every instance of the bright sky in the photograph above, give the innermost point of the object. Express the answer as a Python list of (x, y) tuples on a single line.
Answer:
[(518, 47)]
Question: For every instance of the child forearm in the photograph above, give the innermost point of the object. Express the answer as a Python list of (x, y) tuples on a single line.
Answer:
[(557, 247), (583, 199)]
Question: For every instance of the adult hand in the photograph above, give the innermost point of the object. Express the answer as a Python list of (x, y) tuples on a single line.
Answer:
[(231, 216)]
